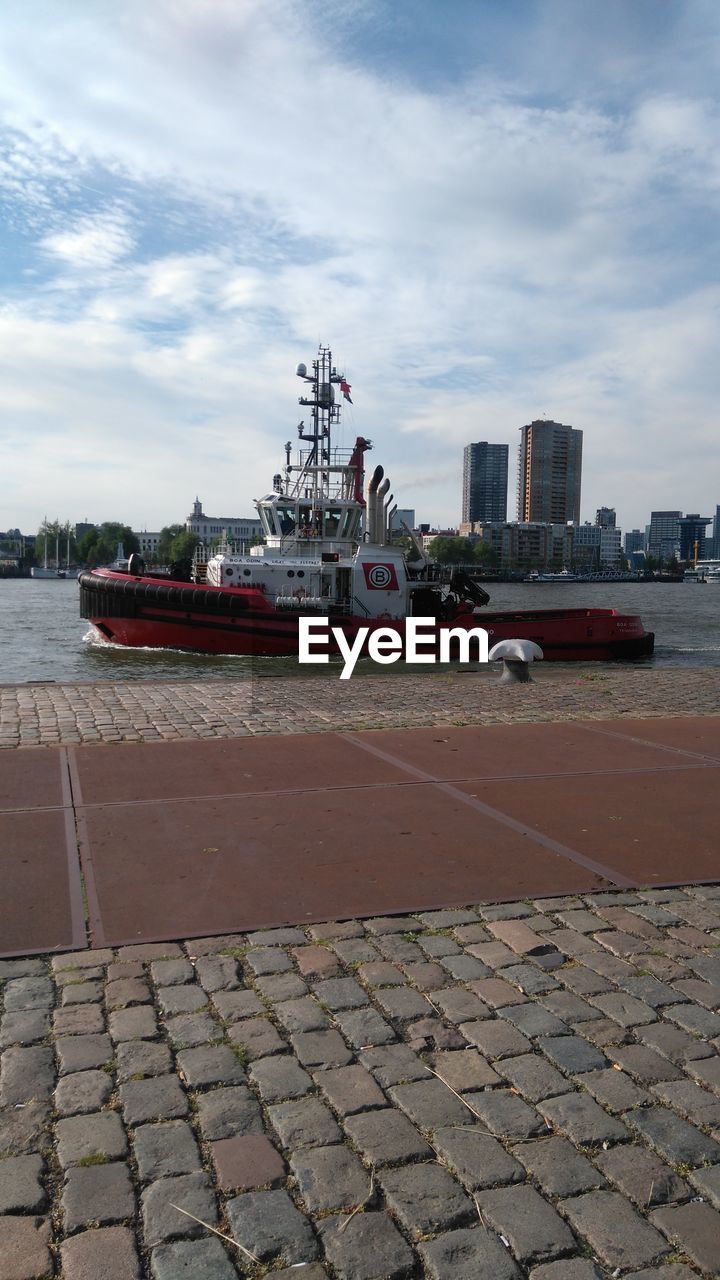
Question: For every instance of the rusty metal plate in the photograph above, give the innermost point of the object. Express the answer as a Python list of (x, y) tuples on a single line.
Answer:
[(655, 828), (168, 870), (515, 750), (40, 903), (227, 766), (30, 778)]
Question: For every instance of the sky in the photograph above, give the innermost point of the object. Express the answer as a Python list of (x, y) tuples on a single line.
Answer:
[(491, 210)]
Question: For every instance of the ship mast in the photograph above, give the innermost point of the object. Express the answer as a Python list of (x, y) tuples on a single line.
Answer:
[(316, 462)]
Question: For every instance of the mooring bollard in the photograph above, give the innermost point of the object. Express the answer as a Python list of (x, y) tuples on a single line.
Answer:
[(516, 656)]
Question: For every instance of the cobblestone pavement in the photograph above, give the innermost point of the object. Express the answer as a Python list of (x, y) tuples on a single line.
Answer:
[(481, 1094), (144, 712)]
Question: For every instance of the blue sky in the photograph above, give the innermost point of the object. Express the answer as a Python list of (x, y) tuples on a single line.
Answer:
[(492, 210)]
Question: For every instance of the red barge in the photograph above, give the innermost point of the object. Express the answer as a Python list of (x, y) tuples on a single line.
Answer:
[(328, 554)]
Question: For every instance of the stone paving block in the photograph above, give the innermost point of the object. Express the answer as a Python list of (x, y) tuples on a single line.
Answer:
[(157, 1098), (360, 951), (695, 1228), (209, 1064), (674, 1044), (507, 1115), (531, 980), (334, 929), (493, 954), (644, 1064), (28, 993), (125, 992), (707, 1072), (81, 1053), (225, 1112), (393, 1064), (496, 1038), (370, 1247), (81, 993), (79, 1020), (267, 960), (587, 1124), (675, 1271), (287, 937), (146, 952), (570, 1269), (80, 1137), (189, 998), (692, 1018), (246, 1163), (533, 1077), (464, 1069), (106, 1254), (459, 1005), (284, 986), (675, 1139), (214, 946), (569, 1007), (613, 1089), (304, 1014), (321, 1049), (642, 1176), (161, 1222), (279, 1078), (363, 1027), (571, 1054), (126, 969), (558, 1167), (24, 1027), (465, 968), (705, 993), (532, 1227), (234, 1005), (257, 1038), (329, 1178), (695, 1104), (169, 973), (402, 1004), (425, 1199), (20, 1188), (430, 1104), (624, 1008), (532, 1020), (497, 994), (472, 933), (583, 981), (380, 973), (24, 1130), (425, 975), (23, 967), (583, 920), (350, 1089), (101, 1194), (26, 1074), (477, 1159), (650, 990), (194, 1260), (315, 962), (138, 1023), (386, 1137), (603, 1032), (469, 1254), (707, 1182), (142, 1058), (267, 1223), (306, 1122), (24, 1253), (614, 1231), (217, 973), (83, 1091), (165, 1150), (191, 1029)]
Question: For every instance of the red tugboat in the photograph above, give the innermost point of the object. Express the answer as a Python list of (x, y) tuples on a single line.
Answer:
[(328, 554)]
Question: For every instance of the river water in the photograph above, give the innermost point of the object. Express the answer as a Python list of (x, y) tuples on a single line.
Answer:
[(43, 638)]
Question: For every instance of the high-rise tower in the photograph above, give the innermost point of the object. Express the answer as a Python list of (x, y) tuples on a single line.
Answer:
[(550, 471), (485, 479)]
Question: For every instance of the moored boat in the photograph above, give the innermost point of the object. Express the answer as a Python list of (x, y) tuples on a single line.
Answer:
[(328, 554)]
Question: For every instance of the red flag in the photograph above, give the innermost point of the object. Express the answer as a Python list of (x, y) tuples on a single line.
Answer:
[(345, 388)]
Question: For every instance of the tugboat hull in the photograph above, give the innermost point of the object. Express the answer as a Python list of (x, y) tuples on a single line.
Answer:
[(154, 613)]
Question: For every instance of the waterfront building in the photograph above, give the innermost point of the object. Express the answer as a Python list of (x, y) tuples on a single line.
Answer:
[(716, 534), (692, 536), (605, 518), (597, 546), (664, 534), (403, 515), (528, 544), (634, 541), (429, 535), (549, 473), (485, 481), (239, 529), (148, 542)]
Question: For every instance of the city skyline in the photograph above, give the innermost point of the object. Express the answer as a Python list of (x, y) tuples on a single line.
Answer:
[(512, 215)]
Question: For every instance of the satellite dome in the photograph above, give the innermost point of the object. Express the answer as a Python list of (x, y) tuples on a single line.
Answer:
[(301, 370)]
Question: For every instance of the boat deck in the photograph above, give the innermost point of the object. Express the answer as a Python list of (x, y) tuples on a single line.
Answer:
[(153, 841)]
